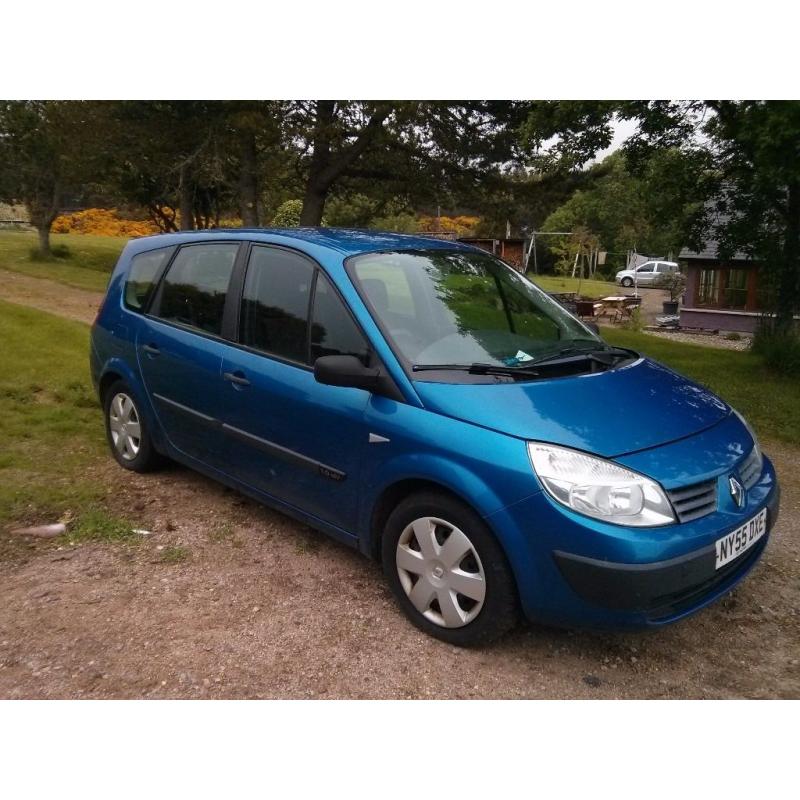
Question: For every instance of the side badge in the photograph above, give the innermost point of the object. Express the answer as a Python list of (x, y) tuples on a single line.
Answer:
[(375, 439)]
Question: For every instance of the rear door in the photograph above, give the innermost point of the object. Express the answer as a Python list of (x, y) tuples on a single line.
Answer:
[(291, 437), (180, 344)]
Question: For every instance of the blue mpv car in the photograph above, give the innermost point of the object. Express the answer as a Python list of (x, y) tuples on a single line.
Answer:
[(422, 401)]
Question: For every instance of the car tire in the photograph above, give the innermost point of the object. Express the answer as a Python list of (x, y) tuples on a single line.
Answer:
[(127, 430), (627, 282), (426, 571)]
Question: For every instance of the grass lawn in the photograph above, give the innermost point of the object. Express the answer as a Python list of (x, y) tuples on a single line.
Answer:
[(90, 261), (51, 427), (588, 288), (771, 403)]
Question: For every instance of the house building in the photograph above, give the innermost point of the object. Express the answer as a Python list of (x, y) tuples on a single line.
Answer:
[(512, 251), (720, 294)]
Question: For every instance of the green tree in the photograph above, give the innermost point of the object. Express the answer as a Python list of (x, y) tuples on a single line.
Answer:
[(44, 152)]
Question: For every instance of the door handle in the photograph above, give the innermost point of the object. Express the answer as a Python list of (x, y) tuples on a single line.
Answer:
[(151, 350), (237, 378)]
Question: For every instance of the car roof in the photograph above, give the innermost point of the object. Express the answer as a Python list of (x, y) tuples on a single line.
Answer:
[(347, 241)]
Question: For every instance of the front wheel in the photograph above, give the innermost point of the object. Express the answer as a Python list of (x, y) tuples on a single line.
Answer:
[(627, 282), (447, 571)]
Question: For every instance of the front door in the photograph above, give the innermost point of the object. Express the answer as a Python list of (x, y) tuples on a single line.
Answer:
[(289, 436), (645, 274), (179, 346)]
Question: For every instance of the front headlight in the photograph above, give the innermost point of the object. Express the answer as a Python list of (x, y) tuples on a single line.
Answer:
[(600, 488), (756, 446)]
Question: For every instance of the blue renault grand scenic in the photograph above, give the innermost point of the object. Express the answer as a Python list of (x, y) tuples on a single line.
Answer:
[(422, 401)]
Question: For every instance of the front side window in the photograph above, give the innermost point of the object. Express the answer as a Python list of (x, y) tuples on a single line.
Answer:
[(143, 275), (277, 291), (194, 290), (647, 268), (464, 307), (333, 331)]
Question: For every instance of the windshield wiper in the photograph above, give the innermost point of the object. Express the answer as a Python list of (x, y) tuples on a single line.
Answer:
[(478, 368), (592, 354)]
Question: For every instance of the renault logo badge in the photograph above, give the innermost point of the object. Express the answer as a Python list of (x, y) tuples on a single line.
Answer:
[(737, 491)]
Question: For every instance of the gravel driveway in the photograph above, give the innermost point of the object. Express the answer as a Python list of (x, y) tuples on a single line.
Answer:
[(260, 606)]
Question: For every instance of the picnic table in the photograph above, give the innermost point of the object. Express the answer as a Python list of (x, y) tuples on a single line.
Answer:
[(620, 305)]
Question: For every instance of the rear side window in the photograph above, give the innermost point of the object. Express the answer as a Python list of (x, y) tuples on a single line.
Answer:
[(333, 331), (277, 291), (194, 290), (143, 276)]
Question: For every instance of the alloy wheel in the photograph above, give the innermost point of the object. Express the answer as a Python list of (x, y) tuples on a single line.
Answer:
[(125, 427), (441, 572)]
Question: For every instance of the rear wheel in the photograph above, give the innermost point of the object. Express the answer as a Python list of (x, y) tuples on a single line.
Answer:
[(627, 281), (448, 572), (127, 432)]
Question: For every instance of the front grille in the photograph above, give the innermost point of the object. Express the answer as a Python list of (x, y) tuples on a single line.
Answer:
[(693, 502), (750, 468)]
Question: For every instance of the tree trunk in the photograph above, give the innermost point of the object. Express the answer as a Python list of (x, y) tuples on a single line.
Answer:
[(327, 167), (43, 230), (248, 179), (313, 206), (789, 283), (186, 201)]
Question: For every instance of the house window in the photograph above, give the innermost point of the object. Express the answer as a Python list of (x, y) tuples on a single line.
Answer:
[(736, 289), (708, 288)]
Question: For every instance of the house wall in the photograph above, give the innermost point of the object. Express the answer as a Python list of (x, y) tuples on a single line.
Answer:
[(715, 319)]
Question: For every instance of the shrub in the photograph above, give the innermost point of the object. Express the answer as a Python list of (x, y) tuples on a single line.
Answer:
[(635, 322), (288, 214), (675, 284), (780, 351), (733, 336), (102, 222)]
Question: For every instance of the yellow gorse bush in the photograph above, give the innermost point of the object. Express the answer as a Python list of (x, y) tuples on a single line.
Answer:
[(462, 225), (102, 222)]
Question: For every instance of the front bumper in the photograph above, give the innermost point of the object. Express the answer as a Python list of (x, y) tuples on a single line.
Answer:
[(576, 572), (663, 589)]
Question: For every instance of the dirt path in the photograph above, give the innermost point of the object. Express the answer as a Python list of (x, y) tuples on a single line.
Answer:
[(47, 295), (260, 606)]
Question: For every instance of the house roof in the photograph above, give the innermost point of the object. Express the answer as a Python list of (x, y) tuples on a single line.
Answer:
[(709, 253), (710, 249)]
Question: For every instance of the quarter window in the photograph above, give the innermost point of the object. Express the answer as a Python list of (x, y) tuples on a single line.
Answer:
[(333, 332), (143, 276), (277, 290), (194, 289)]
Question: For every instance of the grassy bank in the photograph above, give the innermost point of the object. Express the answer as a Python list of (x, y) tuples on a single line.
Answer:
[(586, 288), (50, 424), (90, 260)]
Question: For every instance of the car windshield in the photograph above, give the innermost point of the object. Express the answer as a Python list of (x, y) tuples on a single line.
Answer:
[(462, 307)]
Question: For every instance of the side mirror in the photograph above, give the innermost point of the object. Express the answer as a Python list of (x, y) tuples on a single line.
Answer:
[(346, 371), (349, 371)]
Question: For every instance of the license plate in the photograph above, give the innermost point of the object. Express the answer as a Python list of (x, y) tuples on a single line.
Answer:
[(743, 538)]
